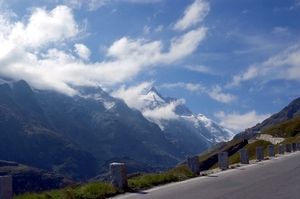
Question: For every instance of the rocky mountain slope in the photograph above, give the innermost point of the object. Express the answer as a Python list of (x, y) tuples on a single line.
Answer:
[(290, 111)]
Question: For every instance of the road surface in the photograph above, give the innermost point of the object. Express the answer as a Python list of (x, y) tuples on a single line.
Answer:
[(277, 178)]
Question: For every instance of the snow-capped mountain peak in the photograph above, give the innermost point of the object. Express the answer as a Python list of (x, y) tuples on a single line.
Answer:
[(197, 124), (152, 99)]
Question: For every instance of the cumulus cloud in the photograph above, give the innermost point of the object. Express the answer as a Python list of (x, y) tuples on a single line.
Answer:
[(22, 50), (188, 41), (26, 52), (193, 14), (163, 112), (216, 94), (82, 51), (44, 27), (285, 65), (37, 49), (239, 122), (131, 94), (144, 52), (158, 114)]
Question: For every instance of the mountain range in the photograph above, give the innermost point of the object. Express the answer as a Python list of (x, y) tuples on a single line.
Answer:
[(76, 136)]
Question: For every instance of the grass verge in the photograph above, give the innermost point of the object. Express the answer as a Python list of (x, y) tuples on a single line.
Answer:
[(89, 191), (103, 190)]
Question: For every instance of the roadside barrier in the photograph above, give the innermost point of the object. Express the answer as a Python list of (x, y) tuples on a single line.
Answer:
[(6, 191), (119, 174)]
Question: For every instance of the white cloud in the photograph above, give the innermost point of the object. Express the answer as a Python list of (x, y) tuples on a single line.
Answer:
[(82, 51), (146, 29), (91, 5), (280, 30), (46, 26), (188, 42), (164, 112), (186, 86), (96, 4), (285, 65), (216, 94), (143, 52), (143, 1), (40, 51), (73, 3), (200, 68), (131, 94), (193, 14), (159, 28), (239, 122)]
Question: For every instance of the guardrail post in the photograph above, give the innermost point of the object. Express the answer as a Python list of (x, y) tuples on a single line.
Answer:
[(259, 153), (288, 148), (244, 156), (271, 151), (6, 191), (280, 149), (298, 146), (223, 160), (193, 164), (119, 175), (294, 147)]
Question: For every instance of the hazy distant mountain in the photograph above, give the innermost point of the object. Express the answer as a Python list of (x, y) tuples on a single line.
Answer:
[(287, 113)]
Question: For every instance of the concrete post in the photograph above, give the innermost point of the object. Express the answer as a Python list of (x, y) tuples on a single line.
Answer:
[(244, 156), (271, 151), (280, 149), (288, 148), (298, 146), (223, 160), (259, 153), (119, 175), (294, 147), (6, 190), (193, 164)]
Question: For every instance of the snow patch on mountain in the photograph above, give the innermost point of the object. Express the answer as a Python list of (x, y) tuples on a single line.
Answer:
[(108, 105)]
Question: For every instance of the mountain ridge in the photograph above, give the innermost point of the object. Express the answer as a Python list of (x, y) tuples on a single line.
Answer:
[(288, 112), (74, 136)]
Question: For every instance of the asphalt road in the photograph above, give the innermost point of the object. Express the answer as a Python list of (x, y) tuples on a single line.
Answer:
[(275, 178)]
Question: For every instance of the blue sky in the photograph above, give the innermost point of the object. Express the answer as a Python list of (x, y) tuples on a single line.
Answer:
[(236, 62)]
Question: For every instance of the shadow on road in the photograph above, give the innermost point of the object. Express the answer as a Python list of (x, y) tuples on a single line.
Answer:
[(259, 163), (240, 169), (214, 176), (138, 192)]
